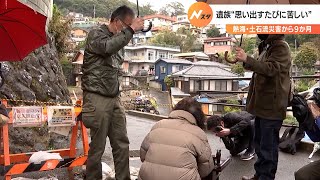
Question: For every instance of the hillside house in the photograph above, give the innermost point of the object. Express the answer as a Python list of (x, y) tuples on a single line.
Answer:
[(165, 67)]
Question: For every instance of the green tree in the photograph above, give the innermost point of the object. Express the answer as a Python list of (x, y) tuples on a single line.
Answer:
[(169, 82), (197, 47), (300, 39), (249, 45), (222, 60), (213, 32), (103, 8), (81, 45), (306, 57), (238, 69), (60, 29), (304, 84), (228, 109), (290, 120), (67, 68), (182, 38), (173, 9), (146, 10)]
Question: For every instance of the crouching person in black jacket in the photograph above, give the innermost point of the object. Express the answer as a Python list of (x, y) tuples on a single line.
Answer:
[(236, 130)]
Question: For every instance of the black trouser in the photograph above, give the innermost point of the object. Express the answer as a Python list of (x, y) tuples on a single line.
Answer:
[(309, 172), (242, 141), (266, 142)]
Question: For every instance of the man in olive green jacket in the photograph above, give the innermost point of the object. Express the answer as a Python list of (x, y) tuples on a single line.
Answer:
[(268, 99), (102, 111)]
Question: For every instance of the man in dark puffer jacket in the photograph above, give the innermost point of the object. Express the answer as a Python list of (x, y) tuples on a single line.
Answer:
[(237, 132)]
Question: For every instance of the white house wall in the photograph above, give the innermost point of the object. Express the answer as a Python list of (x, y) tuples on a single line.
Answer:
[(229, 85)]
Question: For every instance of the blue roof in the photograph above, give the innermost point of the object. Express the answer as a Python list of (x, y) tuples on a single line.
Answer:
[(243, 83)]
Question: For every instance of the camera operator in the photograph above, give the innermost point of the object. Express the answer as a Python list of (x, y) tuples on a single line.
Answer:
[(236, 130)]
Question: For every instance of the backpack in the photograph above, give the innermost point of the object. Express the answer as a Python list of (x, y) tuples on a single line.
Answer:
[(290, 139), (302, 112)]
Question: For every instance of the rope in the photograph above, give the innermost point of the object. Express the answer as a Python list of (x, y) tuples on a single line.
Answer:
[(38, 102), (35, 102)]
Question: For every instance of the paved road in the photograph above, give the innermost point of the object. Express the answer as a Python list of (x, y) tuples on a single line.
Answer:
[(139, 127)]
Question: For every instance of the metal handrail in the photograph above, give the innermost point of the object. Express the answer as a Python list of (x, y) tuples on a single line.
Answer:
[(249, 78), (221, 92)]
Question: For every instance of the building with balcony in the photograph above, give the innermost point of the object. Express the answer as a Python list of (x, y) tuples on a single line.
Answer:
[(77, 62), (159, 20), (80, 30), (79, 34), (143, 57), (192, 56), (183, 22), (215, 45)]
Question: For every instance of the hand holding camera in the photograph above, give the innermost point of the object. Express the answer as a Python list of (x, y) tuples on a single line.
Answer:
[(222, 132)]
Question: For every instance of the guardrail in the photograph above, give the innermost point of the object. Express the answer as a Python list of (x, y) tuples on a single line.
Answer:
[(249, 78), (232, 94)]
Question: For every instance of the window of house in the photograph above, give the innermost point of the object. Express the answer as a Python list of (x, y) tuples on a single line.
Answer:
[(162, 69), (162, 55), (170, 56), (221, 85), (212, 43), (218, 86), (135, 54), (150, 56), (196, 85), (185, 67), (142, 54), (175, 68)]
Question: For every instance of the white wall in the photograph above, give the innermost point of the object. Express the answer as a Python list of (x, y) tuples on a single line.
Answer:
[(138, 66), (229, 85)]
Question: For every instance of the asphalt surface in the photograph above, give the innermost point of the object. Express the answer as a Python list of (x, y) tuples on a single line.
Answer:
[(288, 164), (139, 127)]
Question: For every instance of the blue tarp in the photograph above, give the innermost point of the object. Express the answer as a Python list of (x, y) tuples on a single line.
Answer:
[(203, 100)]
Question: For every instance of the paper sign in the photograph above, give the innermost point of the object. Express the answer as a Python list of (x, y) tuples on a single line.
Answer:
[(27, 116), (61, 116)]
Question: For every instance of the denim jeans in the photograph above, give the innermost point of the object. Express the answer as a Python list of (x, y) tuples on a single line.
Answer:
[(266, 142)]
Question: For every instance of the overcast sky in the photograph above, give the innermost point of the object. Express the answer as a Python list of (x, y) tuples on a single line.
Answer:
[(157, 4)]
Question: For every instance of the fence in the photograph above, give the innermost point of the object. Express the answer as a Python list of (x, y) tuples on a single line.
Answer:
[(233, 95)]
